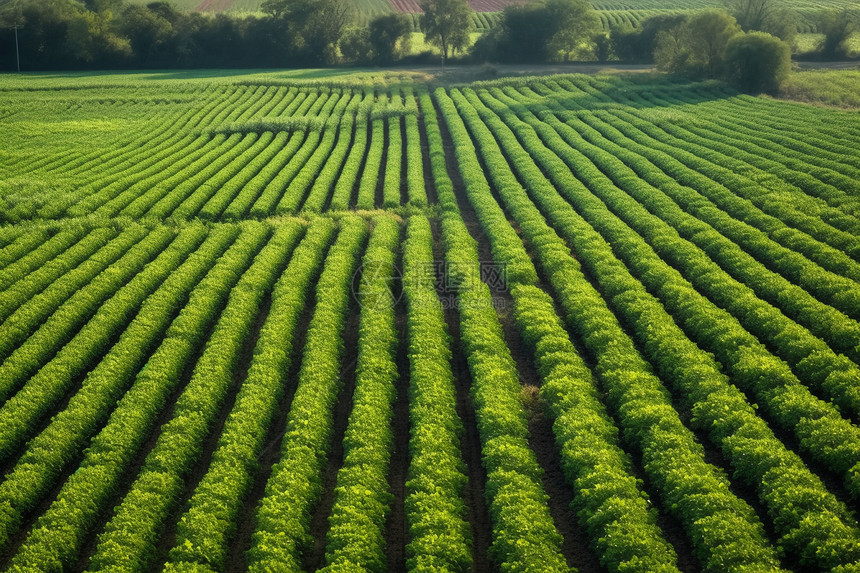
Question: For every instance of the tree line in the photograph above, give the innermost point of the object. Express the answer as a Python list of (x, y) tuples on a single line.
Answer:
[(746, 39)]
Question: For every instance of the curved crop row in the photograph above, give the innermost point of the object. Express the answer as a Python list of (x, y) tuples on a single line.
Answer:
[(343, 188), (237, 203), (20, 414), (40, 256), (146, 162), (709, 179), (276, 190), (196, 187), (21, 245), (816, 424), (206, 527), (161, 135), (229, 191), (514, 491), (160, 143), (692, 170), (25, 316), (128, 540), (70, 319), (137, 199), (828, 286), (367, 185), (724, 531), (393, 158), (727, 186), (334, 126), (439, 536), (810, 182), (813, 170), (722, 154), (59, 533), (780, 477), (27, 287), (331, 170), (835, 376), (833, 140), (414, 154), (505, 243), (208, 200), (191, 186), (261, 202), (356, 533), (295, 483)]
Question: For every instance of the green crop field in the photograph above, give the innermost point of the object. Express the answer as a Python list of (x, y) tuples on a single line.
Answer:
[(357, 321)]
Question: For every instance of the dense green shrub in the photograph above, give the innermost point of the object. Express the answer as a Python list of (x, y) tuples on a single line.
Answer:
[(757, 62)]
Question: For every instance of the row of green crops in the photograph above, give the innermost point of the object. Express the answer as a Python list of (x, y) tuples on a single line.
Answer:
[(356, 524), (205, 530), (127, 541), (84, 495), (283, 518), (733, 532), (439, 536), (625, 539), (739, 351), (110, 295), (525, 537), (269, 150), (812, 418)]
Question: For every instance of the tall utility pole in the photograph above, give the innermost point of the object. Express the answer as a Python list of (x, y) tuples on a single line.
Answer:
[(16, 27), (18, 18)]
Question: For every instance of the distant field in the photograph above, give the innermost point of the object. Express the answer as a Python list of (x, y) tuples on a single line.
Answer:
[(494, 5), (611, 12), (326, 320)]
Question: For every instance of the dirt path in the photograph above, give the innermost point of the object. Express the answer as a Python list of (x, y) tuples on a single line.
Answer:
[(398, 467)]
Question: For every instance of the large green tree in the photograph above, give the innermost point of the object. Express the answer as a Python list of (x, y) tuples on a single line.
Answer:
[(696, 47), (447, 24), (540, 31), (837, 26), (389, 37), (313, 27), (771, 16), (571, 24), (757, 62), (637, 44)]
